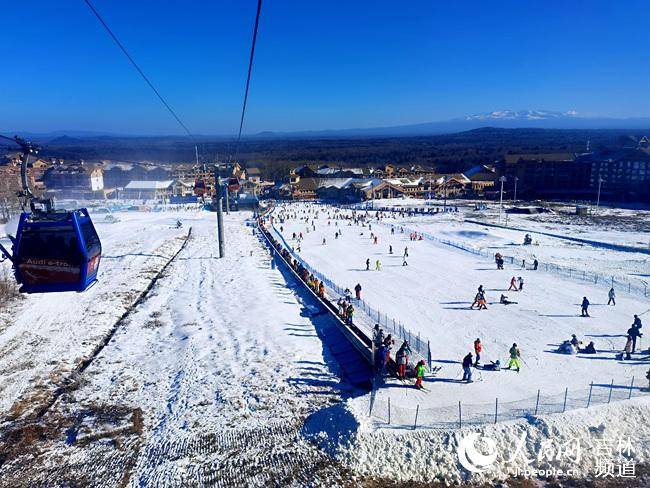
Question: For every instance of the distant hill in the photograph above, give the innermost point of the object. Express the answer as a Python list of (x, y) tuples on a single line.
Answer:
[(504, 119)]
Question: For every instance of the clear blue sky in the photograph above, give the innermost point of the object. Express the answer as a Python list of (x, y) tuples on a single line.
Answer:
[(325, 64)]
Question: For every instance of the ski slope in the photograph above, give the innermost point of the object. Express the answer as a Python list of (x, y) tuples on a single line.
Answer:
[(432, 296)]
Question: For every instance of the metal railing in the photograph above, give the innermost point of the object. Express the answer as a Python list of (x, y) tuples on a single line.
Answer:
[(641, 288), (462, 414)]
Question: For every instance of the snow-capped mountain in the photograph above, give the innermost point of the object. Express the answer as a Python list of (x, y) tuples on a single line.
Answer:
[(522, 115)]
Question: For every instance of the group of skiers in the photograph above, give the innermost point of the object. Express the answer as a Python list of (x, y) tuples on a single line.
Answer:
[(574, 346), (498, 259), (473, 361)]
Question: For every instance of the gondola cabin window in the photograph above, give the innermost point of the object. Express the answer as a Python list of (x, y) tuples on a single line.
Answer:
[(50, 255)]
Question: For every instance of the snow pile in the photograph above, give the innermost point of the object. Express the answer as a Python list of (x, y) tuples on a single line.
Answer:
[(572, 441)]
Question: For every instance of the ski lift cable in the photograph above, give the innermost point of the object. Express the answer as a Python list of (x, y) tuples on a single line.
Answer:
[(248, 78), (139, 70)]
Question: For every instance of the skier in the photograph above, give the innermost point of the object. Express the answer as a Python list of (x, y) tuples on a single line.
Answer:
[(390, 249), (321, 290), (419, 374), (478, 349), (348, 295), (612, 297), (467, 368), (392, 230), (357, 291), (482, 305), (406, 252), (535, 264), (521, 283), (324, 241), (368, 264), (515, 355), (404, 263), (634, 333), (637, 322), (584, 307), (378, 265), (402, 357), (590, 349), (493, 366), (378, 336), (575, 342), (628, 347), (349, 314), (513, 284)]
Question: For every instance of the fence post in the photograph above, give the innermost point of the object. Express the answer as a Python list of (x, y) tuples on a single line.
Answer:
[(417, 411), (537, 403), (460, 416), (566, 393), (496, 410), (388, 410), (631, 386), (591, 387), (611, 387)]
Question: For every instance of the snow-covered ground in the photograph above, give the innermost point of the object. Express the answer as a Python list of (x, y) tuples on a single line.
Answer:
[(218, 360), (432, 296), (210, 378)]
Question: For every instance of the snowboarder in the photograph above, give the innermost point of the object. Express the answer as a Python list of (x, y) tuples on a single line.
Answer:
[(357, 291), (515, 356), (467, 368), (612, 297), (513, 284), (368, 264), (378, 265), (419, 374), (584, 307), (478, 349)]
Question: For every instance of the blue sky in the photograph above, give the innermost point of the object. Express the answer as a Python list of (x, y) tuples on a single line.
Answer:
[(332, 64)]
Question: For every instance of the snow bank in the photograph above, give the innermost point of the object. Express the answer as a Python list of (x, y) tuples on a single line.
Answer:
[(573, 441)]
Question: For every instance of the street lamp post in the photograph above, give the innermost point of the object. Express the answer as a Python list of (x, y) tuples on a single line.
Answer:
[(502, 180), (515, 196), (600, 182), (444, 187)]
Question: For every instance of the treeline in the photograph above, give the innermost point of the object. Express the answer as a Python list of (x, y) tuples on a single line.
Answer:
[(449, 152)]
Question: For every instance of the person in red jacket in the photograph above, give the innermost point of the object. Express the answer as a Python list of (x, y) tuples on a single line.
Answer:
[(478, 349)]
